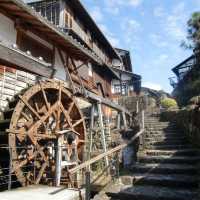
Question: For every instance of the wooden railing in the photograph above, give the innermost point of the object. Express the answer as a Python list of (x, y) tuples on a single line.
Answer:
[(106, 154)]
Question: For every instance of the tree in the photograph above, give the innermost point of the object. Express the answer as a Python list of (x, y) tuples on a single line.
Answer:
[(193, 30)]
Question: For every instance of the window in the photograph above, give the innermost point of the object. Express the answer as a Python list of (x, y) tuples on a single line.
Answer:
[(49, 9), (37, 49), (117, 89), (121, 89)]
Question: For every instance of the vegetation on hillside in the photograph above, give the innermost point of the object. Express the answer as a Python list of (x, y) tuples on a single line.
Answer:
[(193, 32), (190, 85), (168, 103)]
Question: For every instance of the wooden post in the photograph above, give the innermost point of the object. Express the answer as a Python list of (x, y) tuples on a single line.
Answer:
[(87, 185), (124, 120), (118, 121), (91, 131), (102, 131), (137, 106), (10, 170), (142, 119), (59, 161)]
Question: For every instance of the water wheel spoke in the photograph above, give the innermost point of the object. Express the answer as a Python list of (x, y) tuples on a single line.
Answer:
[(26, 116), (70, 107), (41, 110), (66, 115), (44, 96), (29, 107), (45, 99), (24, 162), (66, 125), (41, 172), (81, 141), (78, 122), (59, 111), (32, 130)]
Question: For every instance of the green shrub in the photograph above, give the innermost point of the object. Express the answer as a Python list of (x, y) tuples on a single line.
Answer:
[(168, 103)]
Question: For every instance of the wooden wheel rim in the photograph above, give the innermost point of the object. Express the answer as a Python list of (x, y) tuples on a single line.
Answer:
[(50, 85)]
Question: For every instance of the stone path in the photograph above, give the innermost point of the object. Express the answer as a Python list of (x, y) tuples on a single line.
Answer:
[(166, 171)]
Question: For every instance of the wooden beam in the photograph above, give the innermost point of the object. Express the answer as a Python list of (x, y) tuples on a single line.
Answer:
[(18, 5), (108, 153), (107, 102), (18, 59)]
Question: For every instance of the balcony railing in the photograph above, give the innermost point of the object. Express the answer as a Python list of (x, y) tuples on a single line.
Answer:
[(173, 81), (82, 34)]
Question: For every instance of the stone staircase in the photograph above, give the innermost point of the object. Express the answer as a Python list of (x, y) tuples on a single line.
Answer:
[(166, 170)]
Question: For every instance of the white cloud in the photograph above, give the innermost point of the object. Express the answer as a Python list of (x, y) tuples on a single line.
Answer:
[(131, 27), (96, 14), (174, 22), (158, 41), (109, 35), (151, 85), (163, 57), (135, 2), (114, 6), (160, 60), (158, 11)]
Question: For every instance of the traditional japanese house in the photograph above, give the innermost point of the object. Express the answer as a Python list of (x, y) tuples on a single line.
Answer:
[(73, 19), (69, 20), (129, 83), (185, 83), (38, 46)]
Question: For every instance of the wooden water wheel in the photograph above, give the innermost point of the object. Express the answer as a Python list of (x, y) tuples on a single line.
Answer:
[(31, 127)]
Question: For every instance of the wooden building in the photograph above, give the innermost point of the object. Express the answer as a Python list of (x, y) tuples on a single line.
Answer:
[(73, 19), (56, 34), (129, 83), (185, 83), (44, 69)]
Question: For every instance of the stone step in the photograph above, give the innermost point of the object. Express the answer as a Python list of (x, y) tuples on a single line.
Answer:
[(157, 168), (165, 139), (161, 129), (170, 160), (164, 135), (160, 125), (153, 193), (169, 147), (183, 152), (166, 142), (171, 181), (155, 121), (159, 122)]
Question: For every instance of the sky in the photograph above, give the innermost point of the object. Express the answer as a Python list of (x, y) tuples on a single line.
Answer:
[(152, 30)]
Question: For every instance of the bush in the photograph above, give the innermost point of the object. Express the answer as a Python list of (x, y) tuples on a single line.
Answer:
[(168, 103)]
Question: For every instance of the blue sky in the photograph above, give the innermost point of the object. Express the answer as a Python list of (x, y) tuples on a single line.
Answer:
[(151, 29)]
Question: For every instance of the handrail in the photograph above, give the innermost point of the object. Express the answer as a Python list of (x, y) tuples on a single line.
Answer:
[(109, 152)]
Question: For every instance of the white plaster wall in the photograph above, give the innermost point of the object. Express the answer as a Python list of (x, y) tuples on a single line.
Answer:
[(8, 33), (60, 70)]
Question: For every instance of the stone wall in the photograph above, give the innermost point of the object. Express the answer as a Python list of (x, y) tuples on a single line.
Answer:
[(187, 120)]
